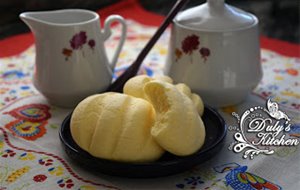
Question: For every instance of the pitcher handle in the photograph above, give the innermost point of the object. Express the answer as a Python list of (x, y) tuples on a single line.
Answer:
[(107, 33)]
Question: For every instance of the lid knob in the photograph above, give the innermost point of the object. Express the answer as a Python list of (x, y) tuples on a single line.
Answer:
[(215, 15), (216, 3)]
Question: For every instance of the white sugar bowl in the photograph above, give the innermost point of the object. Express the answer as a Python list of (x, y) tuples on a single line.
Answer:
[(214, 48)]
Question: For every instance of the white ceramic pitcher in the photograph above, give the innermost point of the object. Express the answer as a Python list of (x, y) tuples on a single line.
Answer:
[(71, 61), (214, 48)]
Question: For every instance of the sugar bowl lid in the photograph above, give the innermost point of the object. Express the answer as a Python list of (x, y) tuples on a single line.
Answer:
[(215, 15)]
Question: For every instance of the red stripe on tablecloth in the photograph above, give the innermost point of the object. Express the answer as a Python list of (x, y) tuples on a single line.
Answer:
[(15, 44), (133, 10), (281, 47)]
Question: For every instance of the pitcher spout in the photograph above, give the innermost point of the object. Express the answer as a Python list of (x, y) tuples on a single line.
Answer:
[(32, 20), (61, 17)]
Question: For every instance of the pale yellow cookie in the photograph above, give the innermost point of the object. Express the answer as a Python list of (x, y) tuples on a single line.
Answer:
[(178, 128), (198, 103), (117, 127), (164, 78), (183, 88), (135, 85)]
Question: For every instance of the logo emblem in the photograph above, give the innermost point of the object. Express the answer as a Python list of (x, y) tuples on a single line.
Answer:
[(260, 130)]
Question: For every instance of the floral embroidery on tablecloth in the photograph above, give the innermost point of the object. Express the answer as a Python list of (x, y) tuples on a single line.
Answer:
[(15, 175), (30, 121), (27, 156), (197, 178), (26, 129), (16, 77), (65, 182), (56, 171), (236, 178), (45, 161), (49, 170), (281, 79), (31, 112), (39, 178), (7, 153), (190, 182)]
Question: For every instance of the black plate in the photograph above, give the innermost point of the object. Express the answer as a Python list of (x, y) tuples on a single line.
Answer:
[(168, 164)]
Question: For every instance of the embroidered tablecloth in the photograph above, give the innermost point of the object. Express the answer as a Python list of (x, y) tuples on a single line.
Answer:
[(31, 156)]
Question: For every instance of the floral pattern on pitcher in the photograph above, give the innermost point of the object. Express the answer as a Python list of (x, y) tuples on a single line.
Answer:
[(76, 43), (190, 44)]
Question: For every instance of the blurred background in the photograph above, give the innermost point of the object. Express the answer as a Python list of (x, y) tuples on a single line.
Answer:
[(278, 19)]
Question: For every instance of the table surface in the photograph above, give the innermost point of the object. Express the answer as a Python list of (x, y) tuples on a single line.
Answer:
[(31, 156)]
